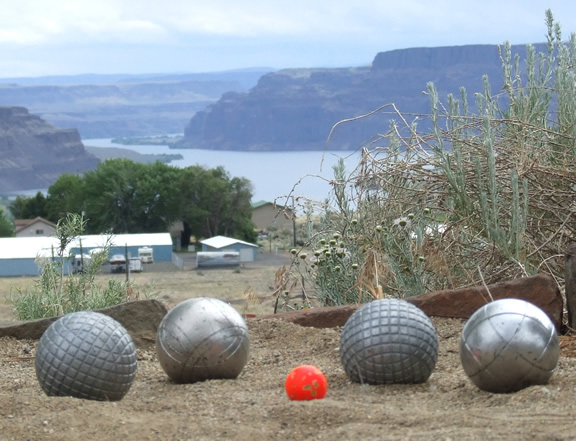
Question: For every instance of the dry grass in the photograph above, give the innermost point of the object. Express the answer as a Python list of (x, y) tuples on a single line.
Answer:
[(249, 289)]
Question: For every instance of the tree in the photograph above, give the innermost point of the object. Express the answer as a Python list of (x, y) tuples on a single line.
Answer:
[(238, 220), (110, 192), (29, 207), (213, 203), (123, 196), (157, 198), (6, 226), (66, 195)]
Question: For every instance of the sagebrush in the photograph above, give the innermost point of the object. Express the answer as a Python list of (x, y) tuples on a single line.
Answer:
[(481, 195), (59, 290)]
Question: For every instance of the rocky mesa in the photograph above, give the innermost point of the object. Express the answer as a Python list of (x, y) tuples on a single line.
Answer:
[(34, 153), (295, 109), (112, 106)]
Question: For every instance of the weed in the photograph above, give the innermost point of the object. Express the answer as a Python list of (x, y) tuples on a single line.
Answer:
[(57, 293), (491, 192)]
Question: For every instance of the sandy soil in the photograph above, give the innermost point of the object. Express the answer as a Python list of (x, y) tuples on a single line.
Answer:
[(254, 406)]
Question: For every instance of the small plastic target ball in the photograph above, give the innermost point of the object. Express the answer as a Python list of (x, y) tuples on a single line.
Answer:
[(306, 383)]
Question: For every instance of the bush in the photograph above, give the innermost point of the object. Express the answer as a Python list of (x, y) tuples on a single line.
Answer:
[(56, 294), (482, 196)]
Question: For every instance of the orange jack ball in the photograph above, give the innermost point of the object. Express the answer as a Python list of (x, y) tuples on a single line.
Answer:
[(306, 383)]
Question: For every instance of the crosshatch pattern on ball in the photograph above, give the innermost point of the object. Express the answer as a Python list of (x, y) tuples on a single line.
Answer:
[(86, 355), (389, 341), (509, 344)]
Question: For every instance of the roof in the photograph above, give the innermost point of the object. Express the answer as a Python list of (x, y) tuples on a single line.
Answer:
[(264, 203), (31, 247), (20, 224), (260, 204), (223, 241), (131, 240), (26, 247)]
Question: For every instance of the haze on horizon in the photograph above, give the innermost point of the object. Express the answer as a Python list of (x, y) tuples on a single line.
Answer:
[(39, 38)]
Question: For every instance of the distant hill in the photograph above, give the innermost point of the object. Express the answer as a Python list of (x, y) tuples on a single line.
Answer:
[(34, 153), (295, 109), (108, 106)]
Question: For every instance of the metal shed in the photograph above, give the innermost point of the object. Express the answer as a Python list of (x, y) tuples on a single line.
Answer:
[(161, 243), (248, 251), (18, 254)]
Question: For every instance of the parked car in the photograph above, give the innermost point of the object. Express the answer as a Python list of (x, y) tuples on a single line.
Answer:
[(79, 263), (118, 263)]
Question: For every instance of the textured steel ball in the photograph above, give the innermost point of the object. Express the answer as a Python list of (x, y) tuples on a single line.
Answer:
[(389, 341), (86, 355), (200, 339), (507, 345)]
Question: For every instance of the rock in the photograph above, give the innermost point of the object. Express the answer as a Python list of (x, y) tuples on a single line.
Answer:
[(295, 109), (33, 153), (541, 290), (140, 318), (327, 317), (570, 284), (114, 106)]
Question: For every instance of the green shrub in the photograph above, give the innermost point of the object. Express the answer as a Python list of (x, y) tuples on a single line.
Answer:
[(56, 293), (481, 196)]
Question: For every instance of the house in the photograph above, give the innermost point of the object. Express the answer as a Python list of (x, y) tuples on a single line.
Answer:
[(33, 227), (248, 251), (268, 217)]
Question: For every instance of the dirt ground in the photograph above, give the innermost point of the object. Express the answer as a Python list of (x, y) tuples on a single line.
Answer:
[(255, 407)]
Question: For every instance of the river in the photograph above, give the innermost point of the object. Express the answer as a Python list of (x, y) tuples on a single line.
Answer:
[(273, 174)]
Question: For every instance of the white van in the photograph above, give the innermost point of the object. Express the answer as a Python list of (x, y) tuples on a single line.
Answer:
[(146, 254)]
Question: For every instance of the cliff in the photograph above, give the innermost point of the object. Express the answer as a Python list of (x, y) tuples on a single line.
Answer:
[(110, 106), (295, 109), (33, 153)]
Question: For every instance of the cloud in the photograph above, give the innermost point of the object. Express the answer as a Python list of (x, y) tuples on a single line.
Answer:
[(36, 22), (39, 37), (40, 22)]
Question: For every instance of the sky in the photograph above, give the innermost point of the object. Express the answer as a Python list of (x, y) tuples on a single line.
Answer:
[(69, 37)]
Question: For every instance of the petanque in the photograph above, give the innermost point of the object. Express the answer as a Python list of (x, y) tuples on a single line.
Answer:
[(389, 341), (86, 355), (507, 345), (201, 339)]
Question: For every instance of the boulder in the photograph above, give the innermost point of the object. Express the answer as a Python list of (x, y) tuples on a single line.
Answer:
[(541, 290), (140, 318)]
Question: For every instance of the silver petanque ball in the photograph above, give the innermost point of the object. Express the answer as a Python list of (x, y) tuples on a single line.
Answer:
[(389, 341), (86, 355), (507, 345), (201, 339)]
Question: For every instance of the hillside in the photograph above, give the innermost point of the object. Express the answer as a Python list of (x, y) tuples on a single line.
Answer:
[(34, 153), (295, 109), (108, 106)]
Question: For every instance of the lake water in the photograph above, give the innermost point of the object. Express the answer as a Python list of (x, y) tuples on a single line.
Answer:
[(273, 174)]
